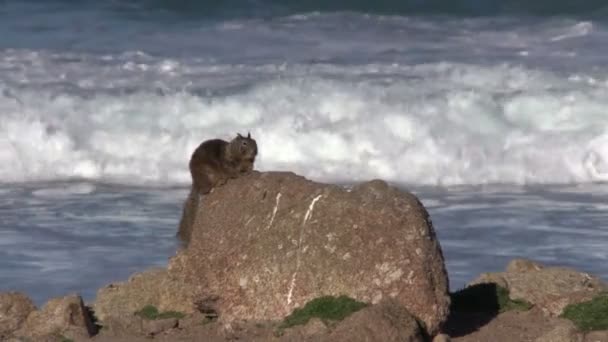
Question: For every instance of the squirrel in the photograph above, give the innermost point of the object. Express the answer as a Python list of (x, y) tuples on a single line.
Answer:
[(212, 164)]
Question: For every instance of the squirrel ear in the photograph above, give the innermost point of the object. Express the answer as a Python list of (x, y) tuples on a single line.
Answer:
[(248, 135), (239, 135)]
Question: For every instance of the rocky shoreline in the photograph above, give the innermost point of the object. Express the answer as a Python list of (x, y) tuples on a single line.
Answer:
[(362, 264)]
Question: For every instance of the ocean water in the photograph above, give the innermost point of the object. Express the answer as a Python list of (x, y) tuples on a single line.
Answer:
[(493, 112)]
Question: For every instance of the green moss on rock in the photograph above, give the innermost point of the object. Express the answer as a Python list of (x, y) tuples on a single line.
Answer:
[(589, 315), (326, 308), (150, 312), (506, 304)]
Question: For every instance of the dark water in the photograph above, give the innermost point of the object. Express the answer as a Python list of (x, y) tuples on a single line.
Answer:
[(77, 237), (215, 9)]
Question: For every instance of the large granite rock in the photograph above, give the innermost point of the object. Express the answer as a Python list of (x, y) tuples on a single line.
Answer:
[(267, 243), (549, 288), (14, 309)]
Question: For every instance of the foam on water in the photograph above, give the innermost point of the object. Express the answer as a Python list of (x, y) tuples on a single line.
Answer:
[(335, 97), (65, 191), (441, 123)]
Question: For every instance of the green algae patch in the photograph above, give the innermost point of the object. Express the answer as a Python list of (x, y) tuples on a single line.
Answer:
[(590, 315), (507, 304), (326, 308), (486, 298), (150, 312)]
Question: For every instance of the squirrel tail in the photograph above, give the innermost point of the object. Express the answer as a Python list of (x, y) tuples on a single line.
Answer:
[(188, 216)]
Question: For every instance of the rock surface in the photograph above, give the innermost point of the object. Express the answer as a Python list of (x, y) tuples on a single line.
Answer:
[(267, 243), (442, 338), (597, 336), (549, 288), (152, 287), (156, 326), (387, 321), (509, 326), (565, 331), (14, 309), (65, 316)]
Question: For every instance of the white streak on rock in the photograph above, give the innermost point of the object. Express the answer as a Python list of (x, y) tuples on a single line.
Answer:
[(274, 211), (310, 209), (291, 287), (306, 218)]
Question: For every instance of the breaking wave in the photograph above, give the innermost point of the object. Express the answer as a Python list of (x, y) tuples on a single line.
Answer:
[(437, 124)]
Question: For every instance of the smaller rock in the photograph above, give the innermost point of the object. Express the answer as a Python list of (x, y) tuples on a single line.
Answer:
[(156, 326), (232, 330), (597, 336), (125, 325), (490, 278), (312, 330), (66, 316), (14, 309), (152, 287), (315, 326), (442, 338), (565, 331), (549, 288), (386, 321), (523, 265), (193, 320)]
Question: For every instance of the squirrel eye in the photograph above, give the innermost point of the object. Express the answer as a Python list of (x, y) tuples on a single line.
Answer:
[(244, 143)]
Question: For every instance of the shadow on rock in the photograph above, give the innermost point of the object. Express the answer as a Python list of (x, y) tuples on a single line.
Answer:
[(472, 308)]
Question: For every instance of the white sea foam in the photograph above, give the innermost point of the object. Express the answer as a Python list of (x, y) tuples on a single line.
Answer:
[(335, 97), (65, 191), (579, 30), (431, 124)]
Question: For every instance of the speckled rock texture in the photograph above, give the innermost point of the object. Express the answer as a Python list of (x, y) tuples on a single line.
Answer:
[(15, 307), (267, 243), (550, 289)]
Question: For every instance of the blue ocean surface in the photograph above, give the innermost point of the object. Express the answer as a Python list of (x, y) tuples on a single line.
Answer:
[(493, 112)]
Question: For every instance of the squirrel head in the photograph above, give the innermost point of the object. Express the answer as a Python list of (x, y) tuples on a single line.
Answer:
[(244, 148)]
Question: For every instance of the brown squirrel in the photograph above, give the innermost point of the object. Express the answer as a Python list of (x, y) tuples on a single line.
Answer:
[(212, 164)]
